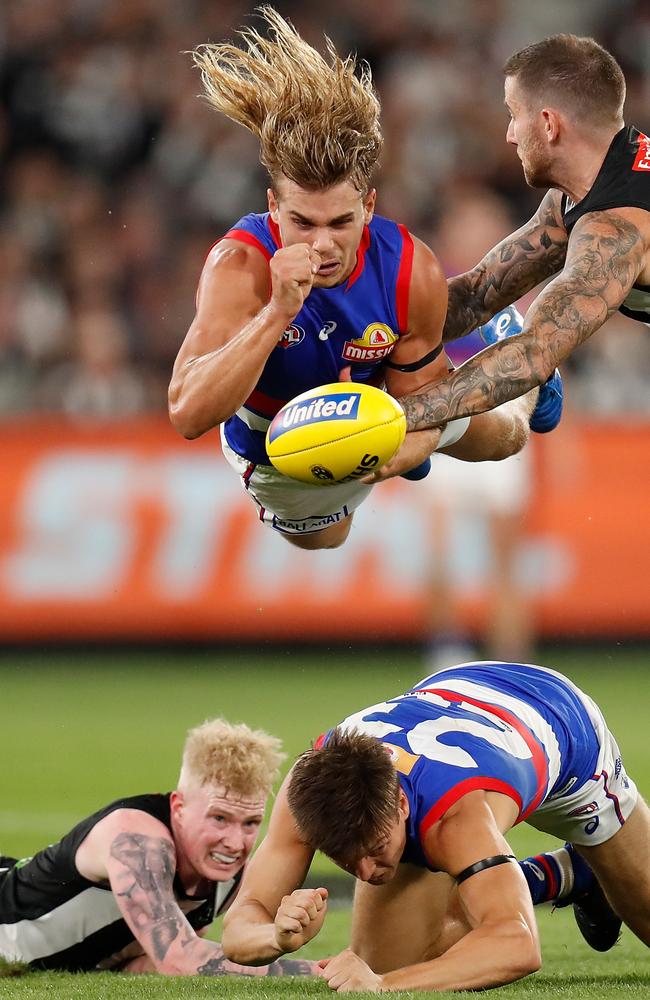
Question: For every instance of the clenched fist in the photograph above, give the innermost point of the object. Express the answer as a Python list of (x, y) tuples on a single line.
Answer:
[(292, 276), (347, 973), (299, 918)]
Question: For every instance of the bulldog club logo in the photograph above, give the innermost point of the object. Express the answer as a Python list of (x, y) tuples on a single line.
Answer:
[(375, 343), (291, 336)]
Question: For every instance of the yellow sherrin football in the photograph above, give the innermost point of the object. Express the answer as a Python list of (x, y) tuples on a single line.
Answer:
[(335, 433)]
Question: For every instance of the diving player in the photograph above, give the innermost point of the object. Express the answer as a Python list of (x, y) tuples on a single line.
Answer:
[(318, 289), (415, 797), (565, 99)]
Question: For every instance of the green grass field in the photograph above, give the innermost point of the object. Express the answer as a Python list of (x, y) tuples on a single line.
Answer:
[(77, 730)]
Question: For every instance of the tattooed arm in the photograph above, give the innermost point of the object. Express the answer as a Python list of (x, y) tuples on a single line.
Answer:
[(512, 268), (605, 255), (136, 853)]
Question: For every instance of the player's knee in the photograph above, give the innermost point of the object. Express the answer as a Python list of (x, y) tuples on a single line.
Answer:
[(328, 538), (512, 440)]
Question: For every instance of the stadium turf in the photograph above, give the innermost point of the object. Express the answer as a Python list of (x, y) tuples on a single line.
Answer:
[(78, 729)]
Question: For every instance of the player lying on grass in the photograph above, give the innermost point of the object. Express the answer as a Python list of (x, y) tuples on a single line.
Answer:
[(565, 99), (415, 796), (318, 288), (133, 887)]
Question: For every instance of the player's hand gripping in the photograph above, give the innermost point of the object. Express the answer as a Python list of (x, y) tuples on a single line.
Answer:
[(347, 973), (417, 446), (292, 276), (299, 918)]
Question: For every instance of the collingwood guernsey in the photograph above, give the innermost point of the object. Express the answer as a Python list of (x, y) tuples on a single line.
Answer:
[(623, 181), (53, 918)]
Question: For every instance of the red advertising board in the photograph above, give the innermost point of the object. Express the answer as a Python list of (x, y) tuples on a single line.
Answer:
[(125, 531)]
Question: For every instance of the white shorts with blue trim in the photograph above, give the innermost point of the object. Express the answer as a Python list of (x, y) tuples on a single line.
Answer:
[(594, 812), (291, 507)]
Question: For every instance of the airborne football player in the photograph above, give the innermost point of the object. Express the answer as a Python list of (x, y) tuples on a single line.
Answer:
[(316, 290)]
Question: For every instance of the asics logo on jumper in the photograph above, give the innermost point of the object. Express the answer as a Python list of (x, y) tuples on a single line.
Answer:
[(326, 329), (338, 406)]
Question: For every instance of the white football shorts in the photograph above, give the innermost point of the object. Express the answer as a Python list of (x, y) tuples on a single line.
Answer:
[(289, 506), (594, 812)]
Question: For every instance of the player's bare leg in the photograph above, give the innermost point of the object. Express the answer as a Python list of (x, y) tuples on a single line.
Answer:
[(622, 866), (327, 538), (412, 918)]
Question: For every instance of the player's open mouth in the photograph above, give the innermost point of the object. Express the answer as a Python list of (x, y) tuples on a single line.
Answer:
[(223, 859), (329, 268)]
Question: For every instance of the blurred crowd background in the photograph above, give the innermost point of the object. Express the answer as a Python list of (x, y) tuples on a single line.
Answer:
[(117, 177)]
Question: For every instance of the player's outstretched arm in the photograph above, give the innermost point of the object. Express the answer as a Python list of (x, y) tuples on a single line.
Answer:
[(136, 853), (492, 436), (604, 257), (243, 307), (272, 915), (512, 268)]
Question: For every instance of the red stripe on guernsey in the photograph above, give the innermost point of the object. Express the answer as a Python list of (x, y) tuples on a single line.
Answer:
[(553, 887), (361, 257), (537, 753), (245, 237), (266, 406), (249, 472), (462, 788), (320, 742), (403, 286)]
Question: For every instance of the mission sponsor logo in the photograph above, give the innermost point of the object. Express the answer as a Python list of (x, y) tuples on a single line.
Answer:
[(338, 406), (375, 343), (291, 336), (642, 161)]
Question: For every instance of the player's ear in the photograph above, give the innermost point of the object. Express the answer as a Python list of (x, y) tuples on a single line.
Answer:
[(403, 806), (551, 124), (274, 206), (176, 803), (369, 205)]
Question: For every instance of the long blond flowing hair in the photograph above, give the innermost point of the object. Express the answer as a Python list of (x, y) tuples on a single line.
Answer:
[(316, 118)]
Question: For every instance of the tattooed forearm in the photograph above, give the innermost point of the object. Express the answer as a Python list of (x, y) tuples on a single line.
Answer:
[(218, 965), (144, 884), (605, 257), (519, 263)]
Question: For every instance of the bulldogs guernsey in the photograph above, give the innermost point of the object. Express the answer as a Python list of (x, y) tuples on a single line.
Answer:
[(622, 182), (520, 730), (356, 323)]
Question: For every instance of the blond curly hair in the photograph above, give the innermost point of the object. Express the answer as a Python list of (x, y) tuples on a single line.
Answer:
[(316, 118), (244, 761)]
